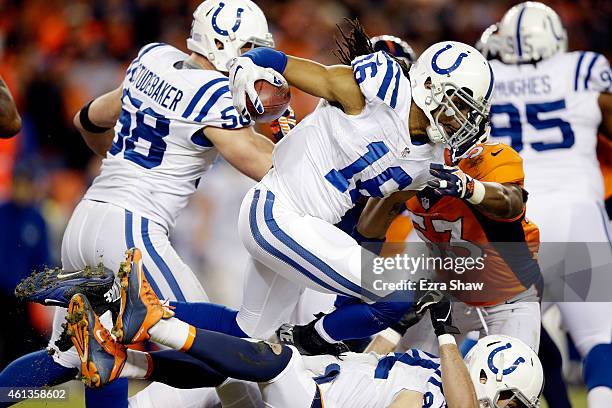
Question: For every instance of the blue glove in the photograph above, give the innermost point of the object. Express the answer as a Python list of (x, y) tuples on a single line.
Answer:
[(452, 181)]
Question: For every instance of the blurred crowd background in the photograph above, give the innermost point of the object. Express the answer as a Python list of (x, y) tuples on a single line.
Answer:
[(55, 55)]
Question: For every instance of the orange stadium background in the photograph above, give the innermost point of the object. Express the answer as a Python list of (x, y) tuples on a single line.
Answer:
[(55, 55)]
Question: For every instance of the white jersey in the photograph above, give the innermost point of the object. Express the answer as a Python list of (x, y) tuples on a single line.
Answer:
[(549, 113), (374, 381), (160, 151), (331, 158)]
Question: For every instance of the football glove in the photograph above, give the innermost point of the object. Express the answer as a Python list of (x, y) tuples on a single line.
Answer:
[(281, 126), (243, 73), (452, 181), (441, 313), (414, 315)]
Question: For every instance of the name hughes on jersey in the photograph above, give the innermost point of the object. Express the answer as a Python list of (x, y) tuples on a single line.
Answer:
[(535, 85), (149, 83)]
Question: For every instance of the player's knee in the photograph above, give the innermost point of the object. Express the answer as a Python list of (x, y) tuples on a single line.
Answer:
[(598, 367), (389, 312)]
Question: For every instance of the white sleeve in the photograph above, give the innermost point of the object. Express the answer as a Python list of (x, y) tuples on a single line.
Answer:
[(592, 73), (381, 79)]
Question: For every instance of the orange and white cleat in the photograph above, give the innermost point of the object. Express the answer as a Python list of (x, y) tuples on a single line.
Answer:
[(140, 308), (102, 358)]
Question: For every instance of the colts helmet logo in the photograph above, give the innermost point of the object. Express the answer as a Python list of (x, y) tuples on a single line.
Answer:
[(505, 371), (236, 26), (445, 71)]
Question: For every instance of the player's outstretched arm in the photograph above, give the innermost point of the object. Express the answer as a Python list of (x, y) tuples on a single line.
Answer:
[(95, 121), (605, 105), (459, 390), (408, 399), (334, 83), (380, 212), (497, 200), (10, 121), (246, 150)]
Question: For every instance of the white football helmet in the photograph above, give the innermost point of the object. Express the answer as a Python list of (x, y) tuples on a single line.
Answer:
[(489, 43), (531, 32), (221, 28), (453, 76), (504, 370)]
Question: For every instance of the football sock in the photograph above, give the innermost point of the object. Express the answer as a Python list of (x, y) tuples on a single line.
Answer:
[(113, 395), (555, 390), (239, 358), (597, 374), (172, 333), (35, 370), (172, 368), (209, 316), (360, 320)]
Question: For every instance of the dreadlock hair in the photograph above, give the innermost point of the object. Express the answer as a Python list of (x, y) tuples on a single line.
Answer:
[(357, 43)]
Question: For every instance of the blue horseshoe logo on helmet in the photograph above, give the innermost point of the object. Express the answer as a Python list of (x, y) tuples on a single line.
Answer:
[(236, 26), (444, 71), (508, 370)]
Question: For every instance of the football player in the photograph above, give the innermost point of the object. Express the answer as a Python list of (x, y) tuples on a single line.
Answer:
[(10, 121), (312, 302), (499, 372), (549, 104), (374, 133), (443, 214), (158, 132)]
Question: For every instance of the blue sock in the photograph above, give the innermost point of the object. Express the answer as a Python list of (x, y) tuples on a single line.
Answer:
[(35, 370), (466, 346), (555, 390), (180, 370), (597, 369), (360, 320), (209, 316), (113, 395), (238, 358)]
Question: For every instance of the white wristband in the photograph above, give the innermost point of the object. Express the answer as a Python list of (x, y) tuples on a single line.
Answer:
[(446, 339), (479, 193), (390, 335)]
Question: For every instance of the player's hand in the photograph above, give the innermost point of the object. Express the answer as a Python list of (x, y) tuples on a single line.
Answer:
[(451, 181), (243, 73), (441, 313), (281, 126), (413, 316)]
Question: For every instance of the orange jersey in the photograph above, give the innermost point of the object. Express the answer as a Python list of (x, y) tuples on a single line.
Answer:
[(509, 269), (604, 154)]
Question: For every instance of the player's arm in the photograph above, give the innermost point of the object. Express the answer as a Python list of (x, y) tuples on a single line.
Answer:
[(96, 120), (10, 121), (379, 213), (334, 83), (497, 200), (246, 150), (459, 390), (605, 105), (407, 399)]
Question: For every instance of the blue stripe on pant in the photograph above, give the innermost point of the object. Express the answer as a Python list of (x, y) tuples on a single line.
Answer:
[(308, 256), (129, 243), (159, 261)]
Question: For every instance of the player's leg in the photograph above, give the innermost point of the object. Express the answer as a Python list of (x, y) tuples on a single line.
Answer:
[(105, 360), (42, 368), (590, 326), (518, 317), (318, 255)]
